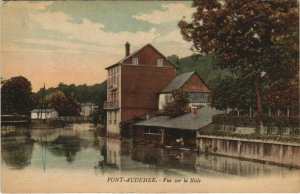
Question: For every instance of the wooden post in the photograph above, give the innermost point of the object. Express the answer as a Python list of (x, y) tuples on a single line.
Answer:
[(238, 113), (269, 111), (239, 148), (250, 110), (288, 112), (278, 112), (200, 148), (162, 136)]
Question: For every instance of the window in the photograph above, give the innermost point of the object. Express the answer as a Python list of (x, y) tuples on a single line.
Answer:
[(109, 118), (153, 131), (135, 61), (115, 118), (159, 63)]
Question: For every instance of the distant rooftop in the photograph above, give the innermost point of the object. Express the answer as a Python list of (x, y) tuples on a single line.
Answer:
[(42, 110), (87, 104), (184, 122)]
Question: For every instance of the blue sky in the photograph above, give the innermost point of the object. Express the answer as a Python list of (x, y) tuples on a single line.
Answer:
[(73, 41)]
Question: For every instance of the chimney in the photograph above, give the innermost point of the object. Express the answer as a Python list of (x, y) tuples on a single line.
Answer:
[(127, 49), (194, 111)]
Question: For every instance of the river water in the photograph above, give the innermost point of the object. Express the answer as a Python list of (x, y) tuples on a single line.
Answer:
[(76, 159)]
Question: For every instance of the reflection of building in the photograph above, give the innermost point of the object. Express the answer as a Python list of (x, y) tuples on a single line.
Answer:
[(190, 83), (44, 114), (133, 85), (113, 152), (118, 153), (87, 108)]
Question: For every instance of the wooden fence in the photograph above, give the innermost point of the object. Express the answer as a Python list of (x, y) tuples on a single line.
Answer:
[(76, 119)]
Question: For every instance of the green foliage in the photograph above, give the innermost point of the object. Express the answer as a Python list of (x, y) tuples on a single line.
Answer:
[(247, 37), (246, 121), (233, 93), (16, 96), (65, 106), (202, 64), (263, 137), (81, 93), (283, 94), (78, 94), (178, 106), (282, 121)]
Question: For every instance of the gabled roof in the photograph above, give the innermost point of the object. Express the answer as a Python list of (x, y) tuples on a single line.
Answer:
[(134, 52), (42, 110), (184, 122), (178, 82)]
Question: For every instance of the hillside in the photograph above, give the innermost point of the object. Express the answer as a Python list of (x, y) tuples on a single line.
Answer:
[(82, 93), (202, 64)]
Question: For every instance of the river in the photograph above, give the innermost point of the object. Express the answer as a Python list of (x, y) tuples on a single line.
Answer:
[(76, 159)]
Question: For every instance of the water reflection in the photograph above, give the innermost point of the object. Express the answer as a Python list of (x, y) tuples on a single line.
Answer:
[(17, 153), (79, 147), (67, 146)]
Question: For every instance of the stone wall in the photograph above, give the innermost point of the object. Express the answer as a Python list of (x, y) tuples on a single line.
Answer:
[(286, 154)]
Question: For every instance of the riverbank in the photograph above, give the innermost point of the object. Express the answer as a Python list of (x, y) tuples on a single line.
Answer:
[(274, 152)]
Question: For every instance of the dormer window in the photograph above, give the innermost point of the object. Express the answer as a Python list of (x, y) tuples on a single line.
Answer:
[(159, 63), (135, 61)]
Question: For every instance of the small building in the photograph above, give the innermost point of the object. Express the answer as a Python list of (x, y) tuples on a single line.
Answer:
[(192, 84), (175, 131), (87, 109), (44, 114)]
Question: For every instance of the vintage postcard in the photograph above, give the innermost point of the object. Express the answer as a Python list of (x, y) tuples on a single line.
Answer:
[(150, 96)]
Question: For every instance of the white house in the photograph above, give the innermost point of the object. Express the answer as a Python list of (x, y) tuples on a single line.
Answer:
[(44, 114), (87, 108)]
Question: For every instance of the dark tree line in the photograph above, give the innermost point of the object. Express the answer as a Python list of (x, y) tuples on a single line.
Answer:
[(17, 97)]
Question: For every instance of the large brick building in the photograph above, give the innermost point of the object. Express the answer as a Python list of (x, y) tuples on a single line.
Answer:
[(133, 85)]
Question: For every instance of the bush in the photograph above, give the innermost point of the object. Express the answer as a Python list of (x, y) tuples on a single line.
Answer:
[(246, 121)]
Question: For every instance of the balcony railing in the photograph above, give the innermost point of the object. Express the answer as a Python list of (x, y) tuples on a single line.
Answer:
[(111, 105)]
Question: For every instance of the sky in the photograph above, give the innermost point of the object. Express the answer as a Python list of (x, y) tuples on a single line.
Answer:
[(73, 41)]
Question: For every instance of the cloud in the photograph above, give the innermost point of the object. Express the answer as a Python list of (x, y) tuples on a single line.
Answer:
[(39, 43), (173, 36), (39, 6), (89, 32), (171, 12), (70, 47)]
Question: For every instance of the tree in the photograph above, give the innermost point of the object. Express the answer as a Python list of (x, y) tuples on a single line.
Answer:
[(65, 106), (255, 39), (284, 95), (178, 106), (233, 93), (16, 96)]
